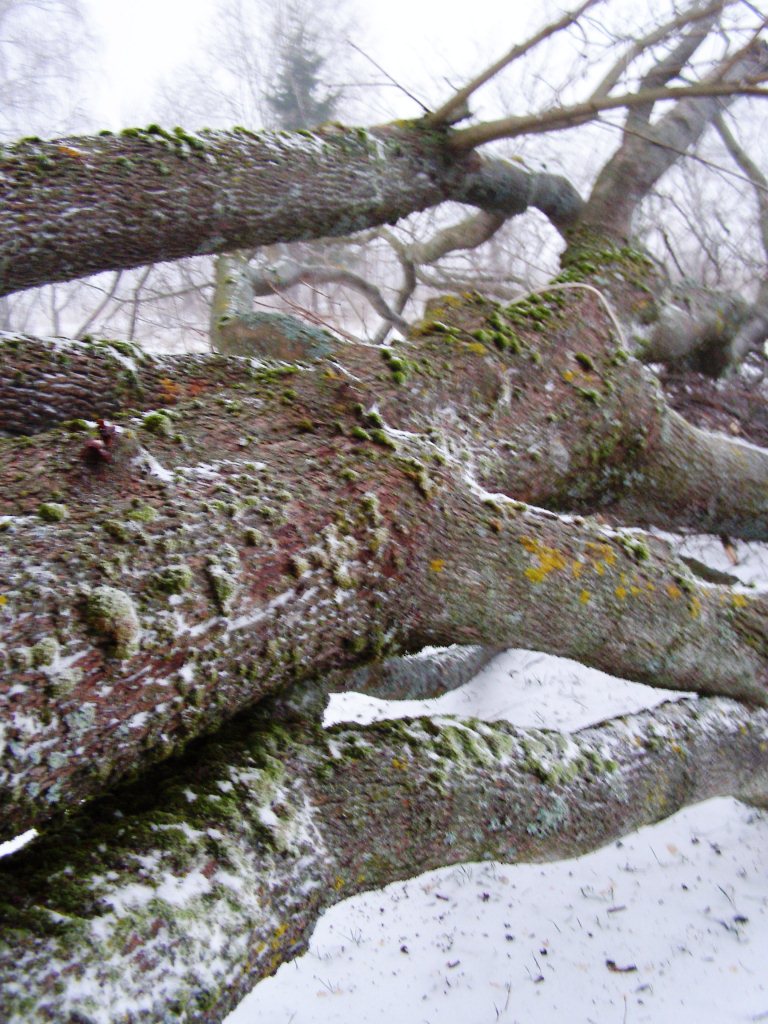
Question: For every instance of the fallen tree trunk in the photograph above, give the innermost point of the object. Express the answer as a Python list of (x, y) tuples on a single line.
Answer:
[(291, 520), (276, 820)]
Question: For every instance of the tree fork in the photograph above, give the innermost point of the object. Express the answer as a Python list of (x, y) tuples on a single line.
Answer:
[(267, 825), (298, 519)]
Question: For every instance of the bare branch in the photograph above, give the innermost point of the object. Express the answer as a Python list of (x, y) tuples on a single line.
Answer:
[(407, 288), (690, 15), (108, 297), (467, 234), (668, 68), (753, 333), (289, 273), (559, 118), (444, 114), (645, 155), (393, 81), (755, 176)]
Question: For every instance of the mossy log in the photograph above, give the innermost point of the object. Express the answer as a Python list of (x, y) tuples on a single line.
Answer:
[(247, 525), (170, 899)]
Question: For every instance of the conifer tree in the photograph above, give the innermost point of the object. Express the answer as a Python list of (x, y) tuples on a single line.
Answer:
[(299, 98)]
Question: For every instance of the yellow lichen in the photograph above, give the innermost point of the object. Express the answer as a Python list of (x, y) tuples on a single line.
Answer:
[(673, 591), (437, 564), (169, 389), (549, 559)]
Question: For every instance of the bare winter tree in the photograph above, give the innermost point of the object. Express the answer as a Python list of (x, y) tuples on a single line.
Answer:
[(207, 546)]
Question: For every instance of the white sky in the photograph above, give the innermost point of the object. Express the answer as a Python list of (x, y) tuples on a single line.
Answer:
[(148, 39)]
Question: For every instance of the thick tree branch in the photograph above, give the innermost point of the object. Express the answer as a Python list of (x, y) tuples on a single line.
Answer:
[(467, 234), (64, 203), (643, 157), (276, 522), (754, 331), (232, 530), (669, 68), (262, 830), (756, 177)]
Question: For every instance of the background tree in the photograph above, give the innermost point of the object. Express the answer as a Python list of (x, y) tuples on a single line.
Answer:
[(294, 97), (298, 98)]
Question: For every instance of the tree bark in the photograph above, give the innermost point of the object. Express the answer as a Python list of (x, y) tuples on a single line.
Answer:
[(205, 534), (208, 533), (271, 522), (78, 206), (262, 829)]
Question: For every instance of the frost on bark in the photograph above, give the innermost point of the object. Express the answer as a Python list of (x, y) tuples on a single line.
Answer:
[(254, 524), (265, 827)]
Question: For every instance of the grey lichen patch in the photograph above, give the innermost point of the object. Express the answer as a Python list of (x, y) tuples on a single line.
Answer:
[(63, 682), (52, 511), (550, 819), (21, 658), (81, 720), (112, 614)]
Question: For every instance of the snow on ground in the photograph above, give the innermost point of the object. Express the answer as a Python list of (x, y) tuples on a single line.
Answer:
[(667, 926)]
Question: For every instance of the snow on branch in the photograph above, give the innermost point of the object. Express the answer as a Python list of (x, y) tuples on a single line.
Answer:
[(176, 895)]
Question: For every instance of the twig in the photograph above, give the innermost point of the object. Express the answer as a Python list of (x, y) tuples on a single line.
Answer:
[(444, 114), (394, 81)]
